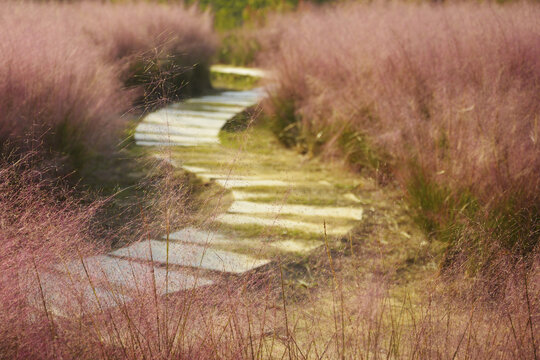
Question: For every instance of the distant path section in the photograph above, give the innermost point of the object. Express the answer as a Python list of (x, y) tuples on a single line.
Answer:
[(235, 70)]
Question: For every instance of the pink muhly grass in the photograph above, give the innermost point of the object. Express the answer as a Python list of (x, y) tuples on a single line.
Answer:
[(447, 94), (40, 224), (453, 87), (63, 66)]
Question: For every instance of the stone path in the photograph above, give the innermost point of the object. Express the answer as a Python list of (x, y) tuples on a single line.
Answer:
[(258, 225)]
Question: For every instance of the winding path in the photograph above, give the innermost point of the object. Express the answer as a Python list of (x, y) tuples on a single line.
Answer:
[(259, 225)]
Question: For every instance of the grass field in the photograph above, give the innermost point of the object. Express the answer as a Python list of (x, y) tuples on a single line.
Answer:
[(421, 118)]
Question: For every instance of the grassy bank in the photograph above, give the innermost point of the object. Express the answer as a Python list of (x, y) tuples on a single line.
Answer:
[(442, 98)]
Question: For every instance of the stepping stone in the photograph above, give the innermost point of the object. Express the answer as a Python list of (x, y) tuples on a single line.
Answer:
[(164, 143), (209, 238), (235, 219), (212, 176), (195, 113), (221, 100), (237, 183), (186, 121), (198, 236), (257, 93), (195, 169), (296, 245), (225, 69), (232, 110), (248, 207), (131, 275), (243, 195), (174, 129), (64, 297), (175, 138), (191, 256)]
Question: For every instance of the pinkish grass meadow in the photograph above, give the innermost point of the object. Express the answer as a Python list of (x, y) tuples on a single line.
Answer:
[(443, 99), (69, 71)]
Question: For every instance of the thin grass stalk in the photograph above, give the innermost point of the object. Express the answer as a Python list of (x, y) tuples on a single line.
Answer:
[(334, 286), (530, 321), (464, 332), (154, 285), (101, 310), (285, 311), (92, 320), (44, 303)]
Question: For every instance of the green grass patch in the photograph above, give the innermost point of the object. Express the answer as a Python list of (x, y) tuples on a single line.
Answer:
[(233, 81)]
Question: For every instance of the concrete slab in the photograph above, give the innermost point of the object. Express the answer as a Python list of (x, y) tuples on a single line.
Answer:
[(198, 236), (175, 129), (234, 70), (257, 93), (231, 109), (248, 207), (174, 112), (243, 195), (214, 176), (64, 297), (195, 169), (211, 99), (191, 256), (185, 121), (132, 275), (175, 138), (164, 143), (240, 183), (296, 245), (314, 228)]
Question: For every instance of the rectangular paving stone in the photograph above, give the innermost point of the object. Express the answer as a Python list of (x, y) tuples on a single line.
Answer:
[(222, 100), (315, 228), (296, 245), (194, 169), (248, 207), (255, 93), (243, 195), (191, 256), (175, 138), (172, 112), (234, 70), (213, 176), (239, 183), (208, 107), (65, 297), (198, 236), (132, 275), (175, 129), (164, 143), (185, 121)]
